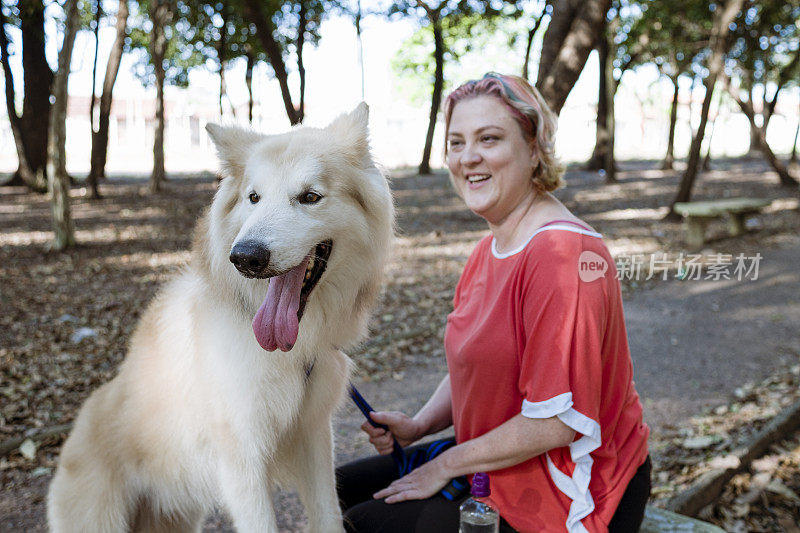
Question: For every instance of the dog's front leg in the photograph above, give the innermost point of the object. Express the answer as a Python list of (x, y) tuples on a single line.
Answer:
[(246, 493), (316, 483)]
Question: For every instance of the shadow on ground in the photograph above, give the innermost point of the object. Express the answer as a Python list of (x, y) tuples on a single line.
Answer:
[(693, 342)]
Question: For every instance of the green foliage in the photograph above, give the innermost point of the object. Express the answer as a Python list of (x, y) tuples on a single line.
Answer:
[(287, 21), (629, 37), (86, 12), (11, 15), (52, 9), (182, 52), (205, 23), (414, 66), (766, 37), (675, 35), (211, 21), (468, 30)]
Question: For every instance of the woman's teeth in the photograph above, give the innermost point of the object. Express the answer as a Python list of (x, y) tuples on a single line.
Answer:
[(478, 177)]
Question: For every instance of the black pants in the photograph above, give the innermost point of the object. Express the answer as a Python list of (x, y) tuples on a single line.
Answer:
[(359, 480)]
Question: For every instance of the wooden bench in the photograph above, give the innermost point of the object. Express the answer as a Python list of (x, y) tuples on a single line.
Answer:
[(698, 215), (660, 521)]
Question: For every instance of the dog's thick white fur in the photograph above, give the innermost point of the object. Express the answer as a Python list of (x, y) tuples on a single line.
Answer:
[(201, 413)]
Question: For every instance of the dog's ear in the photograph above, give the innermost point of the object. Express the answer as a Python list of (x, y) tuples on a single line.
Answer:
[(234, 145), (360, 116), (351, 132)]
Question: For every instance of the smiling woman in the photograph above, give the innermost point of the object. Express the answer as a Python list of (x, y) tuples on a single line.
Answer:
[(539, 389), (490, 161), (534, 119)]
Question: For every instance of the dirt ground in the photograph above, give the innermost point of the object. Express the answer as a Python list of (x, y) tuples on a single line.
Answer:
[(65, 318)]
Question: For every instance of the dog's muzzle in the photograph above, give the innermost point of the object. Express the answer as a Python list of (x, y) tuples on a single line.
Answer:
[(251, 258)]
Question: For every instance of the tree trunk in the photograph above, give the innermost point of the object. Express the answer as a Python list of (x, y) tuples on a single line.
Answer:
[(601, 144), (609, 163), (265, 30), (669, 158), (301, 69), (248, 81), (221, 58), (37, 78), (767, 111), (574, 29), (360, 47), (531, 35), (603, 154), (752, 148), (436, 96), (692, 129), (58, 180), (707, 159), (160, 16), (223, 92), (783, 173), (24, 176), (100, 138), (718, 44), (564, 12), (784, 76), (689, 175), (98, 9)]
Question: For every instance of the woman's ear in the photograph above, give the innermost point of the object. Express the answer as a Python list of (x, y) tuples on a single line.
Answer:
[(534, 155)]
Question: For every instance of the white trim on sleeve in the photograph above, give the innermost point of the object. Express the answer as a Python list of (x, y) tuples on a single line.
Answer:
[(576, 488), (503, 255), (548, 408)]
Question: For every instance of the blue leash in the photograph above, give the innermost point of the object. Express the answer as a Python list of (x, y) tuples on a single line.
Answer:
[(406, 464), (399, 456)]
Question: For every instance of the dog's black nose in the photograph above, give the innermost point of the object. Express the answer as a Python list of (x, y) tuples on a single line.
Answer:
[(251, 258)]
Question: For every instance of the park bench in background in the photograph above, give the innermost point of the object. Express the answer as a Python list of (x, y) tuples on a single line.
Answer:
[(698, 215)]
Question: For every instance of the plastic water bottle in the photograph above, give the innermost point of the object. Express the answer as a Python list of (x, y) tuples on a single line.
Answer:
[(479, 514)]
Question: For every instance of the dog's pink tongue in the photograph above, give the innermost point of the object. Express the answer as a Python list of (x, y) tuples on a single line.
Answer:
[(276, 324)]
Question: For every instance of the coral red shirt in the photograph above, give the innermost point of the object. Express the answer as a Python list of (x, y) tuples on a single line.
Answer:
[(540, 331)]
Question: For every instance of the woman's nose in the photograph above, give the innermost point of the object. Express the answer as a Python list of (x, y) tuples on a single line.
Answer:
[(470, 156)]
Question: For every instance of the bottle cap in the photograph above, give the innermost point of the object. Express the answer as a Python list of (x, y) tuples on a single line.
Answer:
[(480, 485)]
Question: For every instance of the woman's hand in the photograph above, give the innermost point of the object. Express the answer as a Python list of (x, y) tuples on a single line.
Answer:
[(421, 483), (434, 416), (405, 429)]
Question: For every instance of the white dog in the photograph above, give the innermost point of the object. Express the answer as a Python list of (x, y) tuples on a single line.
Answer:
[(231, 380)]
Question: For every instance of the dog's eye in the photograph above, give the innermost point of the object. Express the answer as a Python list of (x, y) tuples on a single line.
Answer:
[(309, 197), (254, 197)]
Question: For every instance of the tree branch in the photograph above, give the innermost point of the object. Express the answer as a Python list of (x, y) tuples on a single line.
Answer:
[(265, 30), (749, 111), (9, 75), (9, 445), (13, 118), (531, 35), (558, 74), (783, 77)]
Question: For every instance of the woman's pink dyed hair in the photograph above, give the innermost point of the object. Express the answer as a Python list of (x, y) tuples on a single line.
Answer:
[(526, 105)]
